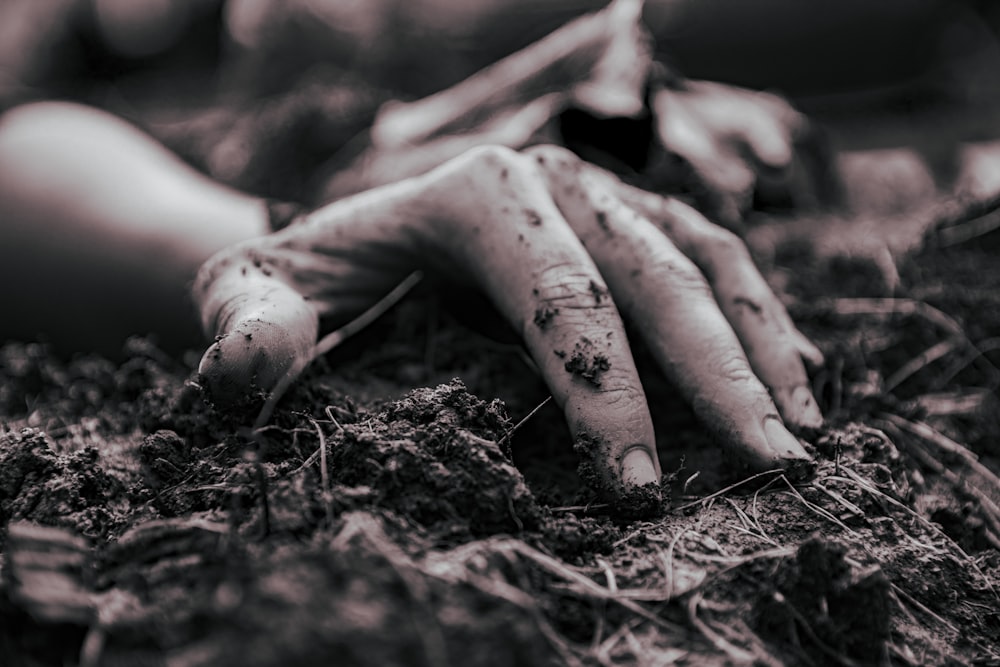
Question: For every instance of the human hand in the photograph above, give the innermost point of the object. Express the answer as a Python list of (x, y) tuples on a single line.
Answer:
[(564, 251), (725, 144), (736, 141)]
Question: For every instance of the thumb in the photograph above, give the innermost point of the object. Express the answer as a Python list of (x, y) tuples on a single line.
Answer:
[(265, 333)]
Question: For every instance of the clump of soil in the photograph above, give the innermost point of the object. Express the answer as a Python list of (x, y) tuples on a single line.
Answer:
[(433, 456), (844, 610), (544, 316), (70, 490), (586, 364), (165, 458)]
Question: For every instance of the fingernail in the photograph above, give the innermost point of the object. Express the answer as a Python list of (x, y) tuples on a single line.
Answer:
[(806, 408), (783, 444), (638, 467)]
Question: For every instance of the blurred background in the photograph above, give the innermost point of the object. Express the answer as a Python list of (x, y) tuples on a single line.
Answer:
[(260, 93)]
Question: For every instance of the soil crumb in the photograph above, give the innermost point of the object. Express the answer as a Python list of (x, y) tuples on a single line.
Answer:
[(433, 457), (586, 364), (544, 316)]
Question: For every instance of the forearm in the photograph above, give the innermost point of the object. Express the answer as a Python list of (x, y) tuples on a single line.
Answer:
[(102, 229)]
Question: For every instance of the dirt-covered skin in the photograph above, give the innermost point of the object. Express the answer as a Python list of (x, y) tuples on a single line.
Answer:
[(415, 540), (646, 501)]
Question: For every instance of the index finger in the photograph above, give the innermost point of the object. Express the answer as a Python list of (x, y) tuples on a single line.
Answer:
[(506, 232)]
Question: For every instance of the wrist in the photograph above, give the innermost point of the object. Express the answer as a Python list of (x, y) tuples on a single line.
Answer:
[(281, 214)]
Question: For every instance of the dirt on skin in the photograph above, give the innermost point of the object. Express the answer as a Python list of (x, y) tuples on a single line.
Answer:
[(646, 501), (375, 523), (584, 363)]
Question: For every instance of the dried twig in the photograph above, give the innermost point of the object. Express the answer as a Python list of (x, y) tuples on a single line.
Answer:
[(894, 306), (333, 420), (925, 358), (978, 352), (586, 509), (855, 478), (752, 526), (324, 473), (753, 510), (964, 402), (722, 645), (609, 575), (720, 492), (429, 630), (507, 436), (816, 509), (628, 538), (319, 450), (602, 46), (335, 338), (603, 652), (586, 586), (898, 593), (45, 567), (362, 321), (848, 505), (982, 224), (900, 306), (972, 475), (668, 564)]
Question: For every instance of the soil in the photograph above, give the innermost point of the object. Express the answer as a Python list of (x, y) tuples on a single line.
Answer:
[(584, 363), (391, 514)]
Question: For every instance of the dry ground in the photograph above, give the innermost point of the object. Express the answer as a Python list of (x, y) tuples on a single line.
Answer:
[(445, 525)]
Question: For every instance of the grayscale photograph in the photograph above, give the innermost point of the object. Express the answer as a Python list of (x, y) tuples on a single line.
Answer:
[(499, 333)]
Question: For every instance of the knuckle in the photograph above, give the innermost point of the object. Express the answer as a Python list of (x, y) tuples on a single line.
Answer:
[(735, 369), (724, 242), (794, 121), (716, 250), (549, 153), (621, 391), (560, 168), (566, 287), (492, 157), (723, 250), (213, 267), (680, 275), (482, 169)]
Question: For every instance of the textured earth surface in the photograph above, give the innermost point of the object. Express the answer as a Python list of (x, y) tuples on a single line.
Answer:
[(391, 514)]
